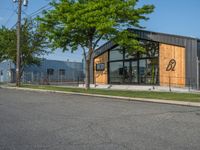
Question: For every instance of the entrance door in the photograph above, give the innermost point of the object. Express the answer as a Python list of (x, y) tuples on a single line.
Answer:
[(127, 72), (130, 72)]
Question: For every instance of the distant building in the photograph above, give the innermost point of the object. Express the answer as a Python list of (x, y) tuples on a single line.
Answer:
[(47, 71), (7, 71)]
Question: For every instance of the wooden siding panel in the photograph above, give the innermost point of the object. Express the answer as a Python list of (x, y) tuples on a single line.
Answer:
[(177, 77), (101, 77)]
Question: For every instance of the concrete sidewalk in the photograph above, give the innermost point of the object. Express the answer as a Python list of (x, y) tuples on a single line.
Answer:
[(156, 88), (193, 104)]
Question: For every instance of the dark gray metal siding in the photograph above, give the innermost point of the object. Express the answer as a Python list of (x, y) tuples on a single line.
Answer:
[(198, 50), (198, 53), (190, 45), (103, 48), (191, 62)]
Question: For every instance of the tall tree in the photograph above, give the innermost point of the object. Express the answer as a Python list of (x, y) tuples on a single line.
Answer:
[(4, 42), (83, 23), (33, 44)]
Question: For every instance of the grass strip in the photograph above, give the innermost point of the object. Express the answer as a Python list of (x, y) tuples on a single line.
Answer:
[(188, 97)]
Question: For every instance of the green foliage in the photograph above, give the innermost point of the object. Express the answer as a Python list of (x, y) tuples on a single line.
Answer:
[(74, 23), (83, 23), (33, 44), (6, 40)]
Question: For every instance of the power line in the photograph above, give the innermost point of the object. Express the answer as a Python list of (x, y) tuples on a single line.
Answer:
[(36, 12), (41, 8), (10, 17), (14, 26), (41, 11), (45, 7)]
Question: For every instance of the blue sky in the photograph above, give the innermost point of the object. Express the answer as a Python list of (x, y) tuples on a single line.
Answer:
[(179, 17)]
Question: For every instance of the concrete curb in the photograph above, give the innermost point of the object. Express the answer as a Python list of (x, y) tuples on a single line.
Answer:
[(193, 104)]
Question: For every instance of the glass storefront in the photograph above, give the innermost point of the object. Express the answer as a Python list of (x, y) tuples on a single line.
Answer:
[(116, 54), (134, 68), (130, 72), (116, 72)]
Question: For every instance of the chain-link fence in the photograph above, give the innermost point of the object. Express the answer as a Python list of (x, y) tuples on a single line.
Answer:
[(49, 72), (162, 81), (179, 82), (53, 78), (76, 78)]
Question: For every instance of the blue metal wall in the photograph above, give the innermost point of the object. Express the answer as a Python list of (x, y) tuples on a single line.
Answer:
[(73, 70), (5, 71)]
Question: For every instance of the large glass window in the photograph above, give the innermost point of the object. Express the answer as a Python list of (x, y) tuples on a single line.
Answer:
[(152, 73), (148, 71), (151, 49), (134, 71), (116, 72), (127, 72), (62, 72), (116, 54), (142, 71), (135, 67), (132, 55), (50, 71)]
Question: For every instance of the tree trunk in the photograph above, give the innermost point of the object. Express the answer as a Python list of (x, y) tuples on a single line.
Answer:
[(88, 61), (21, 72), (87, 74)]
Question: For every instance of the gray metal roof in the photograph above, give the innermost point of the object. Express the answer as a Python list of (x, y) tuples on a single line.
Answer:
[(154, 36), (166, 34)]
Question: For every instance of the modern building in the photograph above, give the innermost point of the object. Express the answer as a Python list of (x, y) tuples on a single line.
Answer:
[(47, 71), (169, 60)]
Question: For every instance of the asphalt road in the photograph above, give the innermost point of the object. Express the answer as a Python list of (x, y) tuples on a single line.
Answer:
[(49, 121)]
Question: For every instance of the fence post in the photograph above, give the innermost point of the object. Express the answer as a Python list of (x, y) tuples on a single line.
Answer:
[(198, 62), (38, 77), (32, 77), (170, 84), (189, 84), (23, 77), (78, 81)]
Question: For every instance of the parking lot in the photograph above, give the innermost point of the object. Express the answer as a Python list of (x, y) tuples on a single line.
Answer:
[(49, 121)]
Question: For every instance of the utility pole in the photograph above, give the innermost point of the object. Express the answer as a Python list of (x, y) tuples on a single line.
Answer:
[(18, 59)]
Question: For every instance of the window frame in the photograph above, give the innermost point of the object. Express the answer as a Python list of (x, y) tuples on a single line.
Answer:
[(137, 59), (101, 68), (61, 72), (50, 71)]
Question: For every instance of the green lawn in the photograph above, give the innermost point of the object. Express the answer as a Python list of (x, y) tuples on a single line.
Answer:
[(190, 97)]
